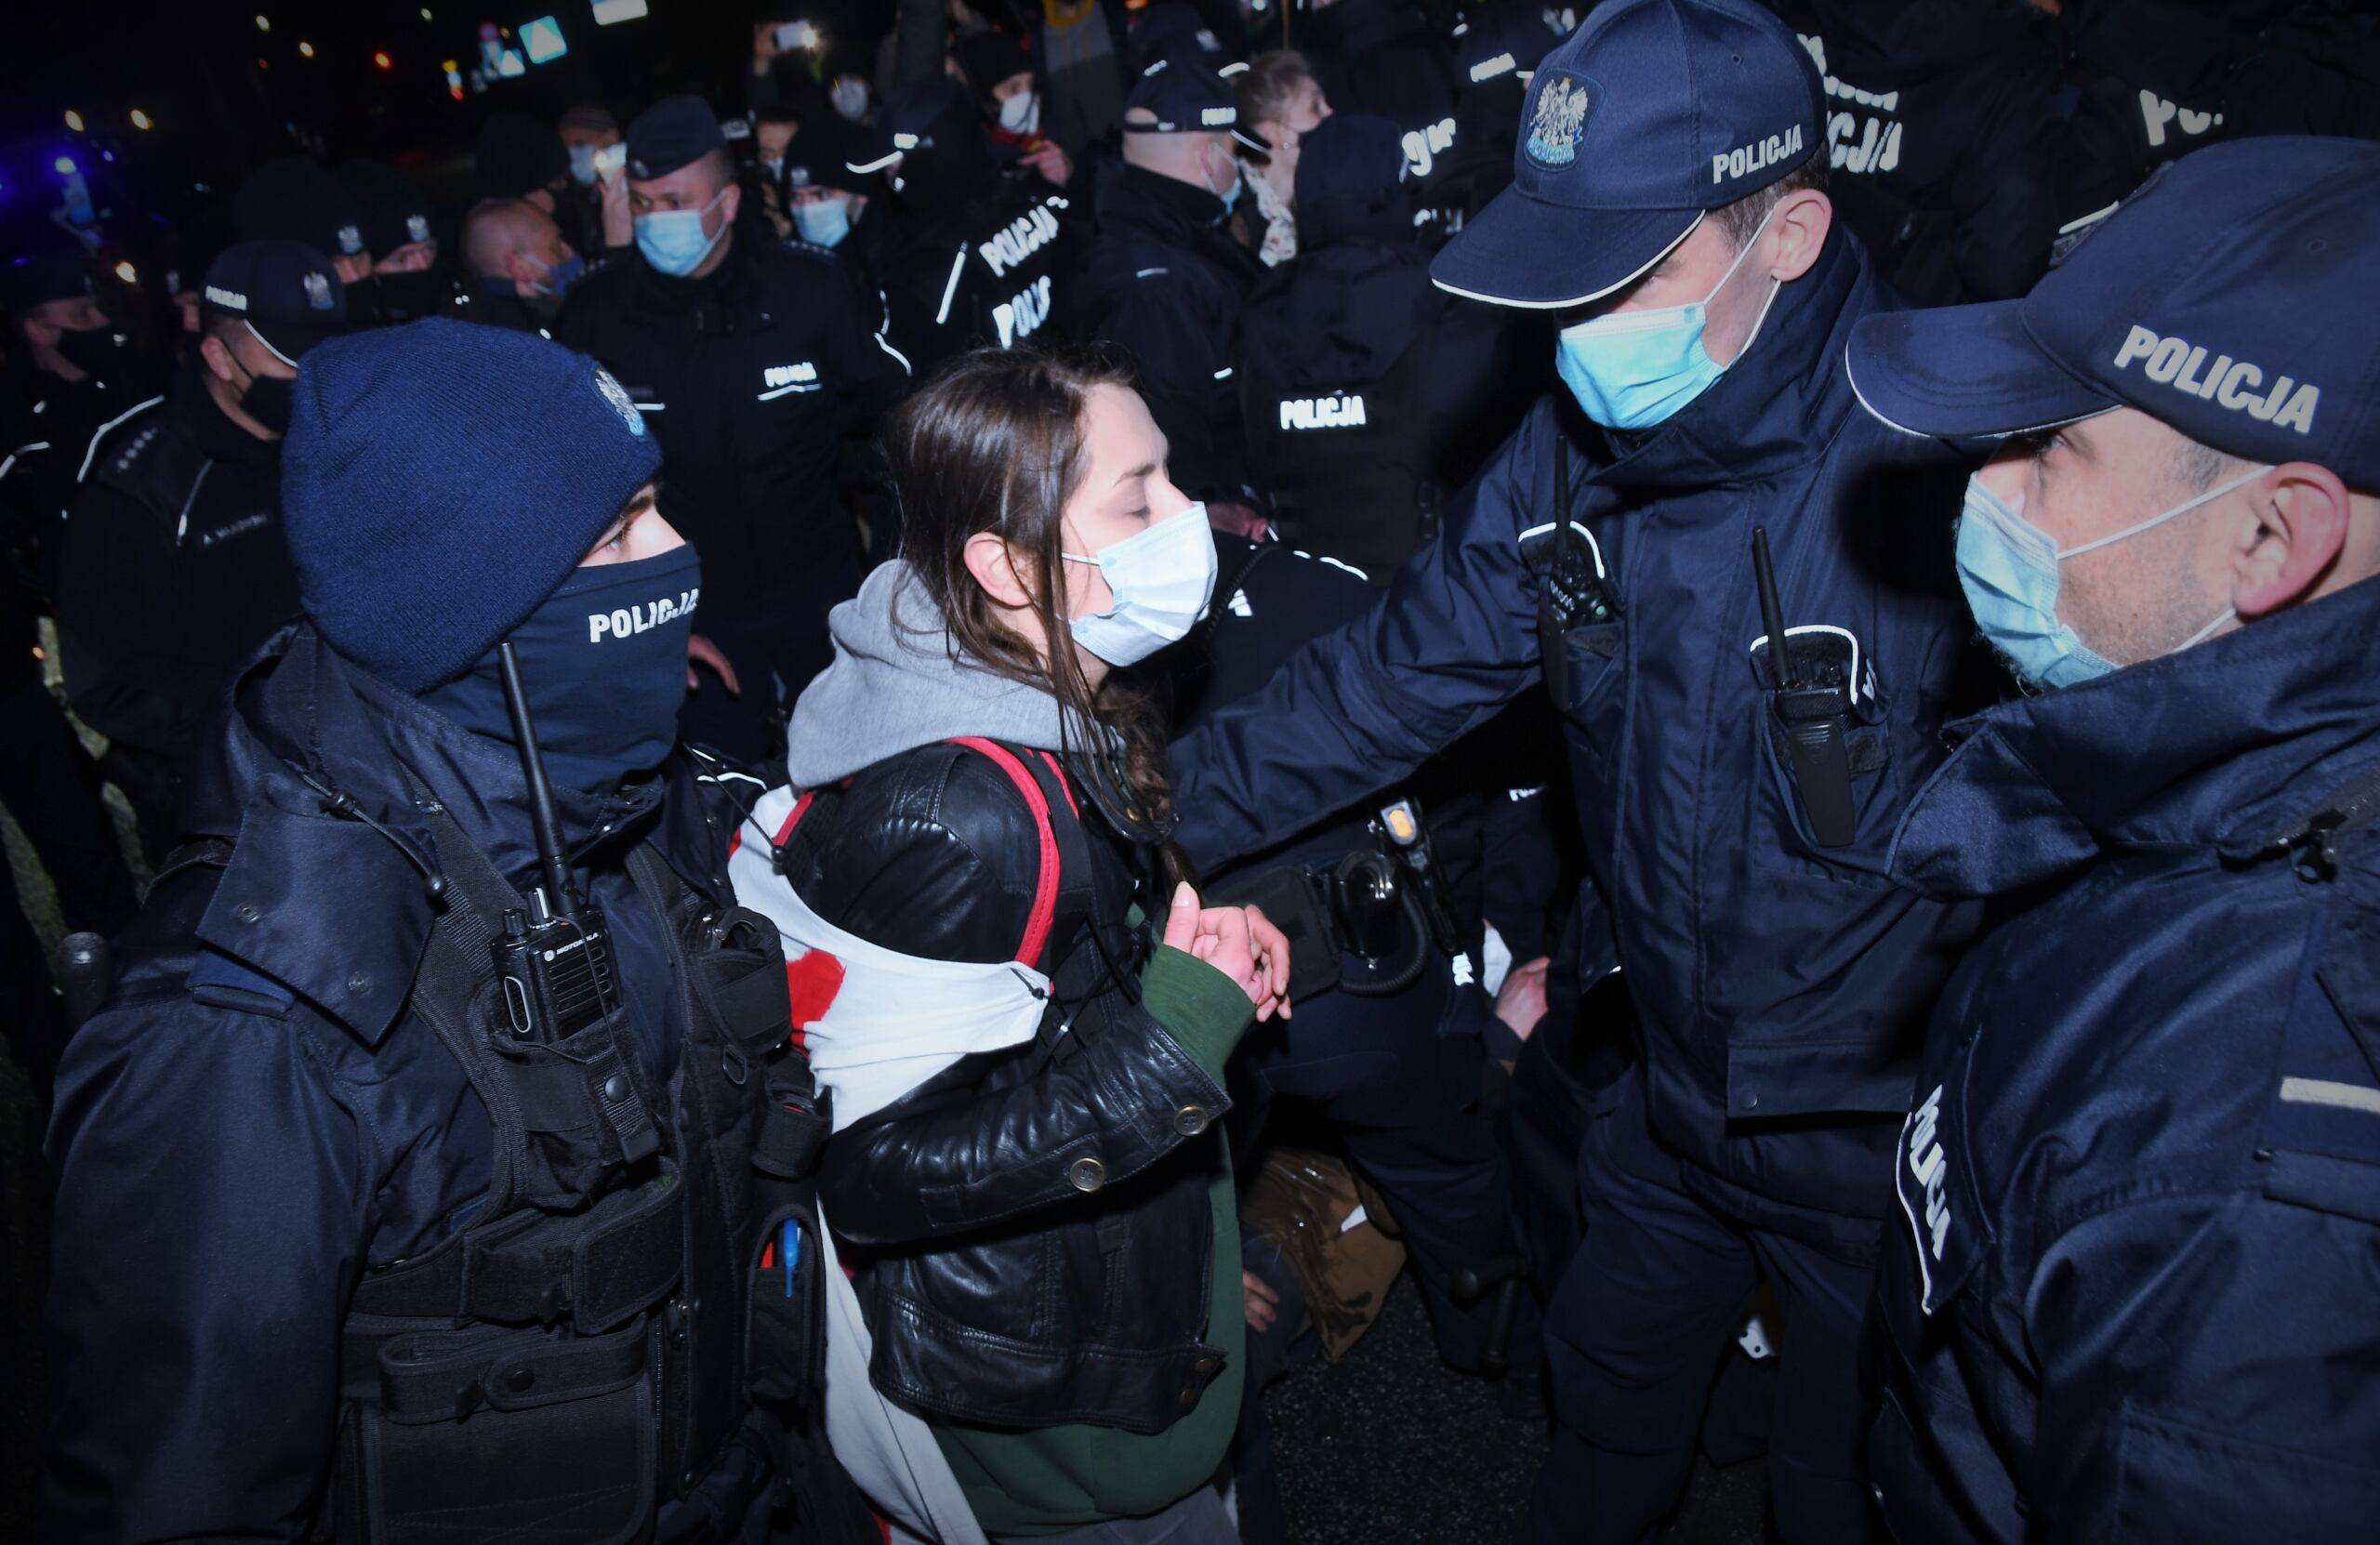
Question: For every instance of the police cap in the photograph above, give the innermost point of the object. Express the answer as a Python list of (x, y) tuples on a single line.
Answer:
[(285, 291), (1651, 115), (295, 200), (2229, 298), (1187, 99), (674, 132)]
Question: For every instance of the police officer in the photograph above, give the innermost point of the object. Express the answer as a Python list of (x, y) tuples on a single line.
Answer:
[(1166, 281), (2168, 76), (831, 205), (2131, 1269), (65, 377), (1369, 393), (1736, 784), (408, 280), (976, 248), (520, 267), (173, 568), (1955, 155), (754, 362), (1495, 49), (1382, 56), (420, 1251)]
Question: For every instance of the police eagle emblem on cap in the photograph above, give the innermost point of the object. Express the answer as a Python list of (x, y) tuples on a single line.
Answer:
[(318, 291), (417, 227), (618, 395), (350, 240), (1560, 119)]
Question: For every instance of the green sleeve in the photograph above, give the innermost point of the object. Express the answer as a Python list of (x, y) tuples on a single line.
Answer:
[(1200, 1007)]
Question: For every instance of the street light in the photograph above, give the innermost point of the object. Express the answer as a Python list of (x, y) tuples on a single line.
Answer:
[(305, 49), (141, 120), (74, 120), (264, 23)]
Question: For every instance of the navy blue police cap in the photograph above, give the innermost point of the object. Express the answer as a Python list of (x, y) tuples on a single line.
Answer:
[(673, 133), (1637, 124), (60, 270), (286, 292), (1187, 99), (2229, 299), (1175, 32), (294, 199), (911, 118)]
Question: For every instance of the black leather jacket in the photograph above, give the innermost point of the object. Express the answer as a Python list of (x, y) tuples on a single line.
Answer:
[(1033, 1231)]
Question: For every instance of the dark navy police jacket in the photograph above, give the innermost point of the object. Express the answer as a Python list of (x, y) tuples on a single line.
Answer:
[(257, 1117), (1783, 987), (2136, 1294)]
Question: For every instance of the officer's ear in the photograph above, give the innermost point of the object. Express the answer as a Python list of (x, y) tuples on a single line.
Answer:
[(2290, 539), (730, 203), (995, 567), (218, 358), (1796, 232)]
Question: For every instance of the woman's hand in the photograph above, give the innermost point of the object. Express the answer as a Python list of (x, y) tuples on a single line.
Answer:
[(1236, 941), (1259, 1305)]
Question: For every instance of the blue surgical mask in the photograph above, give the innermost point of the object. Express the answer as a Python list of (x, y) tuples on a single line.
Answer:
[(1632, 370), (2009, 568), (563, 275), (823, 222), (673, 240)]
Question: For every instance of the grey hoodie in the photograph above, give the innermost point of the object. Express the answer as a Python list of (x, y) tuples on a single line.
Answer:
[(895, 686)]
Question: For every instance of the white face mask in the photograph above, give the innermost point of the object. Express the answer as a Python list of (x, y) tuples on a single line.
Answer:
[(1162, 579), (1022, 113)]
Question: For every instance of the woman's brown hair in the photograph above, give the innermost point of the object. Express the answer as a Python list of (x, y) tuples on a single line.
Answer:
[(994, 442)]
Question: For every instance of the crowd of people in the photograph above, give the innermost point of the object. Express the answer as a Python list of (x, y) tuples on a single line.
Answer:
[(733, 792)]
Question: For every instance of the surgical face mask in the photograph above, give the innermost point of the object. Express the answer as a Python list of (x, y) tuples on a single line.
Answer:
[(561, 276), (849, 94), (95, 352), (2009, 569), (1161, 577), (823, 222), (603, 661), (582, 165), (1631, 370), (1229, 192), (673, 240), (1022, 113)]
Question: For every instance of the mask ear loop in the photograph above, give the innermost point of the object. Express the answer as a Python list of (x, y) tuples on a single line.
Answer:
[(1776, 286), (2154, 520)]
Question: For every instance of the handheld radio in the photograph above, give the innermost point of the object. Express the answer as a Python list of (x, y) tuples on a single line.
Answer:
[(554, 959), (1815, 716)]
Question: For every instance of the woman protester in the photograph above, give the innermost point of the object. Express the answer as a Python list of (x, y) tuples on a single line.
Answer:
[(1022, 1024)]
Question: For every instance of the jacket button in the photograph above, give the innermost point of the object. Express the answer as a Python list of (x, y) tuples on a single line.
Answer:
[(247, 912), (616, 1088), (1189, 1396), (358, 984), (1204, 1365), (520, 1381), (1752, 1102), (1190, 1120), (1086, 1174)]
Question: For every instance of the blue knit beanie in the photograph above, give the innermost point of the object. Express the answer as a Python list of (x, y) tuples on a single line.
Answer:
[(440, 480)]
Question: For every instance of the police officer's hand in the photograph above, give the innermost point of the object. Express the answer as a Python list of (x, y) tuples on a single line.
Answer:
[(1520, 1002), (701, 651), (1236, 941)]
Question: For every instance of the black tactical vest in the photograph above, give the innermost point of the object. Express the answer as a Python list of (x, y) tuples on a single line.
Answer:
[(1344, 460), (592, 1338)]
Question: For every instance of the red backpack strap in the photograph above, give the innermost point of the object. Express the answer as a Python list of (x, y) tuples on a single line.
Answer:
[(1045, 887)]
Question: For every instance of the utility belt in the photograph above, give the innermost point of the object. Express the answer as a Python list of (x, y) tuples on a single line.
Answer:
[(592, 1338), (1386, 903)]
